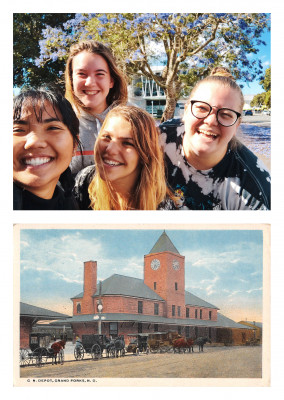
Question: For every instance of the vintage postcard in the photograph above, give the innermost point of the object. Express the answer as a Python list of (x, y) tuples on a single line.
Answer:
[(148, 305)]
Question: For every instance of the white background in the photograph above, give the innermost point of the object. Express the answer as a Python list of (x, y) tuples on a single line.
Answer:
[(274, 217)]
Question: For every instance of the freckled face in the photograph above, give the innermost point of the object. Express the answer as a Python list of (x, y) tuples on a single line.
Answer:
[(120, 159), (206, 138), (91, 80), (41, 151)]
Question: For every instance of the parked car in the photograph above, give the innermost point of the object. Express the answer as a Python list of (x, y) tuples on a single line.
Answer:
[(266, 112), (248, 112)]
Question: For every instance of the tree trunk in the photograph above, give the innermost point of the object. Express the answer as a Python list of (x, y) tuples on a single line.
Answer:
[(171, 101)]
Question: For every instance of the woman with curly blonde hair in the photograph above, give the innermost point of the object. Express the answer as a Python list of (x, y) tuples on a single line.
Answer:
[(129, 169)]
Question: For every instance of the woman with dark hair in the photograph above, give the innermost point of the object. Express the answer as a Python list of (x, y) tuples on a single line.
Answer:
[(129, 170), (94, 85), (45, 135), (207, 167)]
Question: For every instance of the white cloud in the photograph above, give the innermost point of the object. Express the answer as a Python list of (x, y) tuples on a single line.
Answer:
[(254, 290)]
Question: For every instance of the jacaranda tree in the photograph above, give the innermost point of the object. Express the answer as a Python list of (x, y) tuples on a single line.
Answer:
[(188, 45)]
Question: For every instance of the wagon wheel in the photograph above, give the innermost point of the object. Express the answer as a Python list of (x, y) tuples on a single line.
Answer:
[(96, 352), (24, 357), (61, 357), (170, 349), (40, 356), (79, 352), (162, 349)]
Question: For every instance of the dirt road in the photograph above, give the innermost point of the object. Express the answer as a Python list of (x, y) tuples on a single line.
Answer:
[(215, 362)]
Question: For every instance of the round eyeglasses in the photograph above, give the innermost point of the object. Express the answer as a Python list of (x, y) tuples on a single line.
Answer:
[(225, 116)]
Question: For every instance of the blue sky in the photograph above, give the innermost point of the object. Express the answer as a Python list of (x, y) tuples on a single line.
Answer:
[(264, 55), (223, 267)]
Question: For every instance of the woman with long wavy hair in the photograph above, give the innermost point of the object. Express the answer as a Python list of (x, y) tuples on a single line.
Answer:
[(129, 169), (94, 85)]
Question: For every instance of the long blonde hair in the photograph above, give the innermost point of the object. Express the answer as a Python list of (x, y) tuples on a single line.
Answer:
[(117, 94), (151, 188)]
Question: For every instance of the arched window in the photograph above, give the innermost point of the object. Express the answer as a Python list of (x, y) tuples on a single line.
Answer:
[(78, 308)]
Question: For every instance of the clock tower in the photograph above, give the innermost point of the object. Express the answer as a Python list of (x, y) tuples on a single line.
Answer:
[(164, 273)]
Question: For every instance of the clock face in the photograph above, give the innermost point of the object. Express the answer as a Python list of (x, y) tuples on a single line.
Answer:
[(155, 264), (176, 265)]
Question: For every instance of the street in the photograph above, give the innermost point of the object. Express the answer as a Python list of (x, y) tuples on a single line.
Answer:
[(214, 362)]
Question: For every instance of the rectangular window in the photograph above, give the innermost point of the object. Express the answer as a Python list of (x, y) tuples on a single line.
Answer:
[(196, 331), (140, 307), (113, 329), (176, 286), (200, 314), (156, 328), (178, 311), (187, 313), (156, 309), (173, 310), (210, 314), (78, 308), (195, 314), (155, 285), (139, 327), (187, 331)]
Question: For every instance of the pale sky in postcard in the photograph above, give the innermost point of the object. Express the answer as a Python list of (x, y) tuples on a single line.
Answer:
[(223, 267)]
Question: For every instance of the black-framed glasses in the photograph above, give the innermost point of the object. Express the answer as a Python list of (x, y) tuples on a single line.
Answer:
[(225, 116)]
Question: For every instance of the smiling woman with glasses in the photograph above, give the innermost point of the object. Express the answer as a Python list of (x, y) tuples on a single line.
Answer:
[(207, 167), (225, 116)]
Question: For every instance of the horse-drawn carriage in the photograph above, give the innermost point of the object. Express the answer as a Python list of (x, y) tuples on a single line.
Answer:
[(138, 343), (40, 351), (162, 342), (95, 345)]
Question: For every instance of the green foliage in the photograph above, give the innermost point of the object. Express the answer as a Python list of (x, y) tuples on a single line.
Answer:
[(264, 99), (27, 32), (266, 82), (258, 100)]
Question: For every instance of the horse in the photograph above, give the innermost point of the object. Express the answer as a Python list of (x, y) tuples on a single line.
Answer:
[(119, 345), (56, 347), (110, 348), (181, 344), (201, 341)]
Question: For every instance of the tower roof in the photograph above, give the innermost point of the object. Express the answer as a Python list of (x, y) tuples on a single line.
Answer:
[(164, 243)]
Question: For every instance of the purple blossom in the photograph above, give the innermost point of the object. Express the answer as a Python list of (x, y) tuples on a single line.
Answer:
[(101, 31), (103, 19)]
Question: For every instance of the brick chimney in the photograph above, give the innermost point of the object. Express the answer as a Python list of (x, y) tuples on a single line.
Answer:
[(90, 286)]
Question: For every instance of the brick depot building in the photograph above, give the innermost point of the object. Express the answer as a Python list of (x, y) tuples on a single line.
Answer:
[(157, 303)]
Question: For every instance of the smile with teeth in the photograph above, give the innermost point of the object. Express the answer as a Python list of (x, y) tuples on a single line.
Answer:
[(34, 162), (91, 92), (112, 163), (206, 133)]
